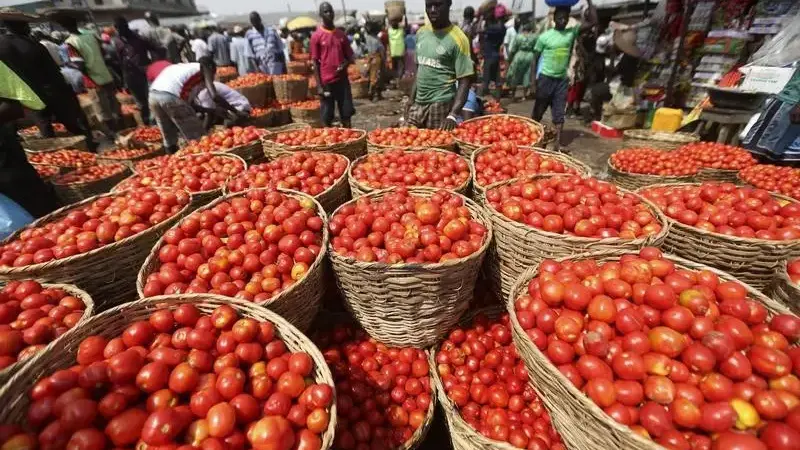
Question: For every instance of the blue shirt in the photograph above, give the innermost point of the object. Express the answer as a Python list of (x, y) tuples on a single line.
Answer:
[(268, 50), (411, 42), (242, 56), (220, 49)]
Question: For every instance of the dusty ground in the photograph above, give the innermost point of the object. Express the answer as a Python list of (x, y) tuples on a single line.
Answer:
[(579, 139)]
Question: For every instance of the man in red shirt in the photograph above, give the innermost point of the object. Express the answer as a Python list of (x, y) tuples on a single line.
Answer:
[(331, 53)]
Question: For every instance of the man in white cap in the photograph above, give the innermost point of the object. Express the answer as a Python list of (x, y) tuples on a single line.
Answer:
[(241, 53)]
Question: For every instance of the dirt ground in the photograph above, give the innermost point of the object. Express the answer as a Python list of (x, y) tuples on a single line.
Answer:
[(579, 139)]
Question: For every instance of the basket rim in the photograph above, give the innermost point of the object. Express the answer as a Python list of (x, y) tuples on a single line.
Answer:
[(63, 211), (383, 146), (261, 131), (281, 325), (542, 151), (39, 152), (56, 140), (531, 123), (73, 290), (731, 239), (153, 148), (141, 276), (193, 155), (659, 215), (288, 155), (83, 184), (783, 276), (585, 402), (266, 140), (480, 217), (678, 178), (677, 137), (364, 188)]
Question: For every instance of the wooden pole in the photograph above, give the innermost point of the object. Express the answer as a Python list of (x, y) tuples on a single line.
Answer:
[(688, 7)]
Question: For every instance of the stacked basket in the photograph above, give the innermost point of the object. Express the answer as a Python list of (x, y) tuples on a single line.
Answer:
[(299, 303), (409, 304), (290, 89), (581, 423), (633, 181), (306, 114), (467, 148), (351, 149), (360, 88)]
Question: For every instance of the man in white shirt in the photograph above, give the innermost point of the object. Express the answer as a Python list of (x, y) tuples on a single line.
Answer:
[(199, 46)]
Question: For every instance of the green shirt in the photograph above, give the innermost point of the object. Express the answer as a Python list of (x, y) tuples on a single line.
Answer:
[(791, 92), (13, 88), (85, 48), (397, 42), (442, 58), (556, 47)]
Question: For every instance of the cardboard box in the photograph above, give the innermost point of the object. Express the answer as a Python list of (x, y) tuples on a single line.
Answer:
[(769, 80)]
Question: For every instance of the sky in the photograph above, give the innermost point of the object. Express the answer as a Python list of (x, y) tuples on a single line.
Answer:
[(239, 6)]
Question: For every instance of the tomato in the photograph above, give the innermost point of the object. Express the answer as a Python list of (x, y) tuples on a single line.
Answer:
[(125, 428), (271, 433), (221, 419)]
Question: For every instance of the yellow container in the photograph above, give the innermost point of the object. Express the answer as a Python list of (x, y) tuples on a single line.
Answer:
[(667, 119)]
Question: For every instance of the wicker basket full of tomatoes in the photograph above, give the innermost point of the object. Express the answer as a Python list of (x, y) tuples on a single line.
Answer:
[(482, 131), (172, 370), (645, 351)]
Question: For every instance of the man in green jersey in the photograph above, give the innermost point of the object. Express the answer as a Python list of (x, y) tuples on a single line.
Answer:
[(555, 48), (444, 70)]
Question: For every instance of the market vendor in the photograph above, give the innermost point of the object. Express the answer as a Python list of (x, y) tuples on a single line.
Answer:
[(776, 132), (204, 103), (444, 70), (171, 96)]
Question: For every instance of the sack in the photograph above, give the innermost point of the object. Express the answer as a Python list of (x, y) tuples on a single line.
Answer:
[(12, 217)]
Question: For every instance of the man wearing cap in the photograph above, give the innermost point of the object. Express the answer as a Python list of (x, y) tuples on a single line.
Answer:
[(31, 62), (266, 45), (241, 54), (444, 70), (555, 48)]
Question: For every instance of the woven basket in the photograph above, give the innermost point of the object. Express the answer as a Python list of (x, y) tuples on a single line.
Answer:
[(634, 181), (410, 305), (256, 95), (107, 273), (281, 117), (467, 148), (75, 192), (53, 144), (462, 435), (288, 126), (754, 261), (8, 372), (298, 68), (225, 78), (720, 175), (299, 303), (360, 88), (518, 246), (660, 140), (581, 423), (784, 290), (265, 120), (112, 323), (251, 153), (200, 198), (568, 161), (376, 148), (358, 188), (306, 115), (351, 149), (157, 150), (125, 139), (290, 91)]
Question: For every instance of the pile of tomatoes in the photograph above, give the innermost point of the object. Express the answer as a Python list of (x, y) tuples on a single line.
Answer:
[(712, 155), (410, 137), (485, 378), (492, 106), (505, 160), (89, 174), (46, 171), (252, 247), (680, 356), (404, 227), (305, 104), (31, 316), (490, 129), (181, 377), (226, 71), (308, 172), (147, 134), (649, 161), (398, 167), (258, 112), (584, 207), (128, 153), (382, 394), (316, 136), (781, 179), (194, 173), (223, 140), (249, 80), (793, 269), (64, 158), (151, 162), (727, 209), (128, 109), (34, 130), (85, 228), (289, 77)]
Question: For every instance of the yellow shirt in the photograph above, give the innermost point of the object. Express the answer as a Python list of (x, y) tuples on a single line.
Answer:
[(13, 88)]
